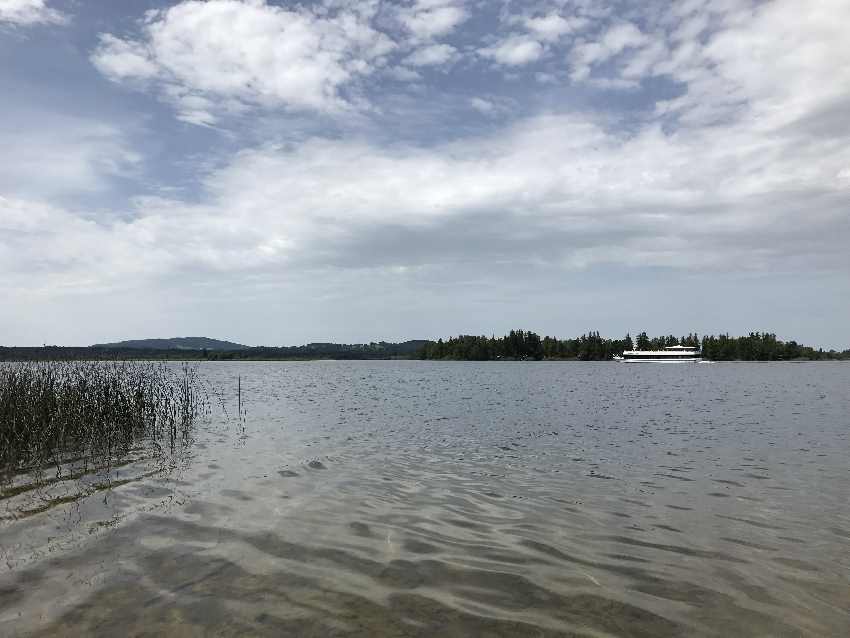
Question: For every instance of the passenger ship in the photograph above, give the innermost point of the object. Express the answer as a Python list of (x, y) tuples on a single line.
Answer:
[(670, 354)]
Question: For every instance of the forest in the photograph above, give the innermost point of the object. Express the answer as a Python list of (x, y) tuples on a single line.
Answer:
[(310, 351), (521, 345), (517, 345)]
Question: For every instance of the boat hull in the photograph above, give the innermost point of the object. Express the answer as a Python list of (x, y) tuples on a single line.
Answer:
[(627, 359), (624, 360), (670, 354)]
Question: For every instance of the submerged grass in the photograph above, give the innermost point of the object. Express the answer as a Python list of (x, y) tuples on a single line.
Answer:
[(91, 413)]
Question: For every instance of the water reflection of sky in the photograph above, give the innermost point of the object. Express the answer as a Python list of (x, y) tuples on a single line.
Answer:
[(402, 498)]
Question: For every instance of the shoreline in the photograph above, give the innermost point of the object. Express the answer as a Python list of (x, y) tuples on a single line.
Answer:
[(176, 359)]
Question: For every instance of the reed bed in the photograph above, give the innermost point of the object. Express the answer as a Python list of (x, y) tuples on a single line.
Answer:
[(89, 415)]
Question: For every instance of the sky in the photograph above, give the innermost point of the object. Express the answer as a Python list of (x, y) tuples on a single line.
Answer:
[(279, 173)]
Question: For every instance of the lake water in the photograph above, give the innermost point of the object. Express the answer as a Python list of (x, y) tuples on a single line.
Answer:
[(464, 499)]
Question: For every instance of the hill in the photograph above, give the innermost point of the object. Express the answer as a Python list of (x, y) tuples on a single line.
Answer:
[(175, 343), (198, 348)]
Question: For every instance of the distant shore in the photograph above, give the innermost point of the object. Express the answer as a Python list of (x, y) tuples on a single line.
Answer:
[(184, 356), (521, 344), (517, 345)]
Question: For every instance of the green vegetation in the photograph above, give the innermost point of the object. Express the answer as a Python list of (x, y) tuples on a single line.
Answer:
[(523, 345), (89, 415), (763, 346), (175, 343), (517, 345), (380, 350)]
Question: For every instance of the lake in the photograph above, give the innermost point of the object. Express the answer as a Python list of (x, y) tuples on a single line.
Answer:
[(408, 498)]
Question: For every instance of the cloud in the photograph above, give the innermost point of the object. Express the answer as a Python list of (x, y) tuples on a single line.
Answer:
[(428, 19), (553, 26), (515, 50), (560, 190), (612, 42), (772, 63), (775, 64), (731, 156), (51, 156), (236, 53), (48, 248), (431, 55), (403, 74), (29, 12), (120, 59), (640, 62), (485, 107), (492, 106)]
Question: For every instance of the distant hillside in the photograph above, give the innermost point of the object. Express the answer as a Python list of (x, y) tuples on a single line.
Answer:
[(380, 350), (202, 348), (176, 343)]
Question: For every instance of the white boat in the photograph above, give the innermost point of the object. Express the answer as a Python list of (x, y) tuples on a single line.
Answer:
[(670, 354)]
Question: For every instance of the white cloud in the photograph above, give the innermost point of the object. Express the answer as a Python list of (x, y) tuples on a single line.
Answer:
[(247, 52), (428, 19), (641, 61), (431, 55), (515, 50), (614, 41), (492, 105), (746, 168), (29, 12), (486, 107), (120, 59), (771, 63), (552, 26), (403, 74), (47, 155), (622, 36), (779, 66), (719, 199), (545, 78), (43, 247), (691, 28), (618, 84)]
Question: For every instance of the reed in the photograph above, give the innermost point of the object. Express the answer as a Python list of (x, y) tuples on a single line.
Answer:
[(92, 413)]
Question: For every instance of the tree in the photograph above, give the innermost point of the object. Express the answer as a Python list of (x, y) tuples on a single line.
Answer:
[(521, 344)]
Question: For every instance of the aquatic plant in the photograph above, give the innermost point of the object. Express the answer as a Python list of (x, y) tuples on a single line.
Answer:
[(91, 414)]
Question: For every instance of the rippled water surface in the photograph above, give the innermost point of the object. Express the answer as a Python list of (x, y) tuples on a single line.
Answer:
[(463, 499)]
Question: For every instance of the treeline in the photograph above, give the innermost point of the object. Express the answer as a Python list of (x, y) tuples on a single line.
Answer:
[(524, 345), (763, 346), (518, 345), (521, 345), (375, 350)]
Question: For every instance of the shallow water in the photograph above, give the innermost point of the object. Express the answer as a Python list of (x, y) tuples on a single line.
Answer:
[(454, 499)]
